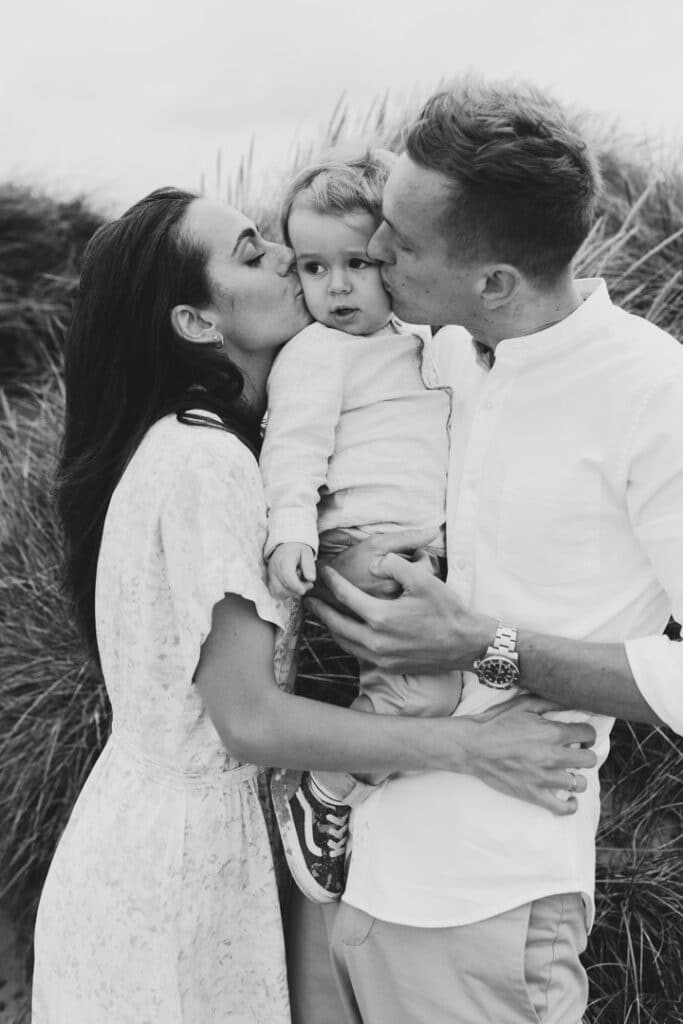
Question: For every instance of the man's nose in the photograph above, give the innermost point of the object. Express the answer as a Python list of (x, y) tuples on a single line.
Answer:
[(377, 248)]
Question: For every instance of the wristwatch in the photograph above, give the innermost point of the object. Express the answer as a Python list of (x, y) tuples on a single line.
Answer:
[(499, 668)]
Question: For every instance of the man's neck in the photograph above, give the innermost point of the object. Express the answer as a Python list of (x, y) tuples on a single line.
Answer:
[(534, 312)]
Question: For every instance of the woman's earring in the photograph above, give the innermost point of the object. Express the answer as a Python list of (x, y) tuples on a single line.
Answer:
[(218, 340)]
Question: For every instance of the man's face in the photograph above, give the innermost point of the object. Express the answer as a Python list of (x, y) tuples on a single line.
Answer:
[(426, 281)]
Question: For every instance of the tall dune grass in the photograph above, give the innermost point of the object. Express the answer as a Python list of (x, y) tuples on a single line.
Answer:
[(54, 715)]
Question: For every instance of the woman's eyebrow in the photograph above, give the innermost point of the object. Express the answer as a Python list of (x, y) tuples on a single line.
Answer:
[(245, 233)]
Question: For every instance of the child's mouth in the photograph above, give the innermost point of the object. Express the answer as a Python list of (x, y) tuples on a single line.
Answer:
[(344, 312)]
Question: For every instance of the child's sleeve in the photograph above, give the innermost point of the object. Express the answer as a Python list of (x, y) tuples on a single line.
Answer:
[(305, 391)]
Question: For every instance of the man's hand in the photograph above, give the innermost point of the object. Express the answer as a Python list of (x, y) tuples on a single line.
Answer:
[(518, 751), (353, 563), (425, 629), (291, 570)]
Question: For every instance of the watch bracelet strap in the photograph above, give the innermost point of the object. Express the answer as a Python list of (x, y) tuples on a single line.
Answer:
[(505, 641)]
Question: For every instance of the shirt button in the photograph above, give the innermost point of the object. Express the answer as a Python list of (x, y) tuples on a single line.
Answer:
[(461, 563)]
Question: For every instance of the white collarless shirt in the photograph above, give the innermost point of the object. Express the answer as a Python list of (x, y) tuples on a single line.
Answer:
[(565, 516)]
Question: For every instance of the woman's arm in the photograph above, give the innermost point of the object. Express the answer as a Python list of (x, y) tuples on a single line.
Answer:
[(512, 748)]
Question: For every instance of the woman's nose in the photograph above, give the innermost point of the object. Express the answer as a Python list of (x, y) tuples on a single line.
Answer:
[(286, 260)]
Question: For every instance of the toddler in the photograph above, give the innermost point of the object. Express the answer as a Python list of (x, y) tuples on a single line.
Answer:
[(356, 443)]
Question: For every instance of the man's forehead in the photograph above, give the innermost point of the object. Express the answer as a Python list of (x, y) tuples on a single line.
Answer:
[(415, 189)]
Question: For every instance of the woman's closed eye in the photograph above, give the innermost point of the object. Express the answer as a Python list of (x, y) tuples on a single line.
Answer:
[(254, 261)]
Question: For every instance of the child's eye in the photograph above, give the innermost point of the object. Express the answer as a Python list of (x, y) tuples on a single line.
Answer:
[(358, 264), (313, 268)]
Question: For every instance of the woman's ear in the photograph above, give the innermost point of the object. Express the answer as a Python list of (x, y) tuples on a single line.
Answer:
[(196, 327)]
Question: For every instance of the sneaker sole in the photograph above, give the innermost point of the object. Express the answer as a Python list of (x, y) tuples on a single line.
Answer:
[(290, 842)]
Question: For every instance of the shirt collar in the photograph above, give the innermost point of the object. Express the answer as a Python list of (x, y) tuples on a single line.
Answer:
[(582, 325)]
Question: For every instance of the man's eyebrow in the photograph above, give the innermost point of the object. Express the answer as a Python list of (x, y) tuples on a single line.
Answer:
[(245, 233)]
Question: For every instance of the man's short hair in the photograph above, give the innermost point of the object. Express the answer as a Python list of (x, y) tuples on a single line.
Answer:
[(339, 185), (524, 183)]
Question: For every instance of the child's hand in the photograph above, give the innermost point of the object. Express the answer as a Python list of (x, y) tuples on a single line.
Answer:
[(291, 570)]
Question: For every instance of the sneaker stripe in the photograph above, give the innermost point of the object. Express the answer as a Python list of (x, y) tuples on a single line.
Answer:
[(308, 824)]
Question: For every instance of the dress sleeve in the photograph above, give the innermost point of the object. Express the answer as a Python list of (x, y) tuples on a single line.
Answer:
[(212, 527)]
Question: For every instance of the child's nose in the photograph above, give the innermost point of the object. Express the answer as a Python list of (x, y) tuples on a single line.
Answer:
[(339, 281)]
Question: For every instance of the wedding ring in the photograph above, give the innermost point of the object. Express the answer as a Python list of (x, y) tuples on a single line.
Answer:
[(571, 788)]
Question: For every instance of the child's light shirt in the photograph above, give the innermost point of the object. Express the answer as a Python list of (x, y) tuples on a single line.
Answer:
[(359, 424)]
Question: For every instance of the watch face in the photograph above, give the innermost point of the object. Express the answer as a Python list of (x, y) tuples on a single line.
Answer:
[(501, 673)]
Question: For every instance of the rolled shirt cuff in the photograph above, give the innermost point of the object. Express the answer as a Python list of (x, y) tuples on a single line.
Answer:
[(657, 666)]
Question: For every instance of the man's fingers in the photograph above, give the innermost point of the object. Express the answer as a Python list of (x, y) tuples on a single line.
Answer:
[(405, 540), (344, 629), (407, 574), (345, 593)]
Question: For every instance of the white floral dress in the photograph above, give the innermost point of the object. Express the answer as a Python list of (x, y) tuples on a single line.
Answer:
[(161, 903)]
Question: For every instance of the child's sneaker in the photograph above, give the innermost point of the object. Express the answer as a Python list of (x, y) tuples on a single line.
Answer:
[(314, 833)]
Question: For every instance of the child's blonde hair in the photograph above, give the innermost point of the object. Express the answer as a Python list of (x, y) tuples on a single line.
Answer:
[(339, 185)]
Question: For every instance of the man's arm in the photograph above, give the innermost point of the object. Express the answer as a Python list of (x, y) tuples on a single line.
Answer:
[(586, 676), (428, 630)]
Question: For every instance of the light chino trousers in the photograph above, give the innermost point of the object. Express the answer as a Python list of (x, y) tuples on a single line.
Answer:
[(520, 967)]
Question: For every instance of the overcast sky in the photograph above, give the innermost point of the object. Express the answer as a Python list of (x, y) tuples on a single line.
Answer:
[(116, 98)]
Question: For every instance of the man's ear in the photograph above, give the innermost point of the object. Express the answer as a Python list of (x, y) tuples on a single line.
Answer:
[(500, 285), (192, 325)]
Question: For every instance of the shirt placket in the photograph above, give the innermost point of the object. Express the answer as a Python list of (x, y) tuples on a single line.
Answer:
[(462, 539)]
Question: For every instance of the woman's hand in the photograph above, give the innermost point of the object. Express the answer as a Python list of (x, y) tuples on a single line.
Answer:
[(515, 749)]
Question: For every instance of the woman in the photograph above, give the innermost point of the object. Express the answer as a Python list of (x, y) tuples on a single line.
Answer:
[(161, 902)]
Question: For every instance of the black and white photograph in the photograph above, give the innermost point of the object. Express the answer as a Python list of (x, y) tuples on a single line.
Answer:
[(341, 512)]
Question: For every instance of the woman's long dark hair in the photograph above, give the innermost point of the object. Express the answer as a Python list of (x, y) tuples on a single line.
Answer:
[(125, 367)]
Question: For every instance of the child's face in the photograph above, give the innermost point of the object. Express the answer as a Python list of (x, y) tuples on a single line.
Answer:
[(342, 287)]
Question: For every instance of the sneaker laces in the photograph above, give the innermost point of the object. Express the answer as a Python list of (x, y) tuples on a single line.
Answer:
[(337, 829)]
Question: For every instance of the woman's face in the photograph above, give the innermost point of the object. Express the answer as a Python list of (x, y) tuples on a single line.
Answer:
[(257, 300)]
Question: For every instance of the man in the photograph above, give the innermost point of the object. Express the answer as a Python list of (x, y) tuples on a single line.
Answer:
[(565, 548)]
